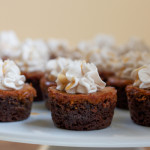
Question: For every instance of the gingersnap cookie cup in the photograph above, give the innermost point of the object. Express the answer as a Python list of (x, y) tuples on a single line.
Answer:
[(34, 79), (82, 111), (105, 75), (120, 85), (139, 105), (45, 84), (15, 105)]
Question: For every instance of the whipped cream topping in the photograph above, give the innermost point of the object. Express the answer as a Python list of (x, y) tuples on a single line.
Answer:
[(134, 44), (59, 48), (141, 77), (55, 66), (105, 59), (79, 77), (86, 46), (128, 63), (103, 40), (82, 49), (9, 44), (10, 76), (33, 56)]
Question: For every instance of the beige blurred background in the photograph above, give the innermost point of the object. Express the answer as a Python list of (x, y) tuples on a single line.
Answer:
[(76, 19)]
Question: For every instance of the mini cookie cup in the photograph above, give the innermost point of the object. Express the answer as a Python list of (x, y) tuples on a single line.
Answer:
[(34, 79), (120, 85), (45, 84), (139, 105), (82, 111), (15, 105)]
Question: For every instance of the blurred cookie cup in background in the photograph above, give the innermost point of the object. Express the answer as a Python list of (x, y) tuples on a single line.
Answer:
[(32, 60), (53, 68)]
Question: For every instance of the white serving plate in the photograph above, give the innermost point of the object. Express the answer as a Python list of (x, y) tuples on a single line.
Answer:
[(39, 129)]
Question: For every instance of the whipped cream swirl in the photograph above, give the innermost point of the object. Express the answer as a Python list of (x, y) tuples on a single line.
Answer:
[(9, 44), (82, 49), (141, 77), (134, 44), (105, 59), (10, 76), (55, 66), (79, 77), (103, 40), (128, 63), (59, 48), (33, 56)]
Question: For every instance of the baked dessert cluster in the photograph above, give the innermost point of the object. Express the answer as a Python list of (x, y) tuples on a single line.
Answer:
[(76, 82)]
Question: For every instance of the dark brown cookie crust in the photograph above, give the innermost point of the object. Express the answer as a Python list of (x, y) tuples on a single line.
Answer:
[(45, 84), (34, 79), (16, 105), (139, 105), (82, 111), (120, 85)]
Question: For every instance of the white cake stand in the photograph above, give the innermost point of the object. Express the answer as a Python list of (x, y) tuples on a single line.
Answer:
[(73, 148), (39, 129)]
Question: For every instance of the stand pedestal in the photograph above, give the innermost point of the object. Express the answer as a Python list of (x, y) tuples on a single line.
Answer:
[(80, 148)]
